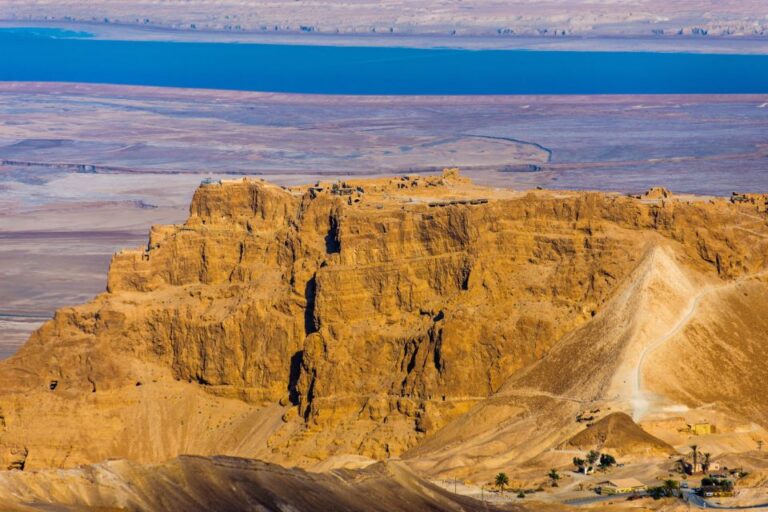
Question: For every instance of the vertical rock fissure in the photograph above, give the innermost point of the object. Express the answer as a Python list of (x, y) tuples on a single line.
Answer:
[(437, 338), (332, 240), (310, 290), (310, 397), (297, 360)]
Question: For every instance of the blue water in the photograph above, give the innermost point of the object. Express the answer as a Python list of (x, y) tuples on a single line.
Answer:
[(27, 55), (55, 33)]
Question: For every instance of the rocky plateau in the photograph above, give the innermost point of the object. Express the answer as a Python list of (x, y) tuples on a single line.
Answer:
[(447, 329)]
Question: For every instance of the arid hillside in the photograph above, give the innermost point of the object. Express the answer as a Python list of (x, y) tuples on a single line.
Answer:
[(465, 329), (222, 483), (619, 434)]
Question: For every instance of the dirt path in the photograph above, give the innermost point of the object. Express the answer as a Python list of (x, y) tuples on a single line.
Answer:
[(531, 393), (641, 398)]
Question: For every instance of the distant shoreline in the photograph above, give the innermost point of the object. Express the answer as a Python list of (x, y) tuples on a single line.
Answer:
[(628, 43)]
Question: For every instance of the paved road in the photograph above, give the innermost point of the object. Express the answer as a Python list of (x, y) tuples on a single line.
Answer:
[(688, 495), (698, 501), (600, 498)]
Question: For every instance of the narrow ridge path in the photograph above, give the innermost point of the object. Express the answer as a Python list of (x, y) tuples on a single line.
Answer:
[(640, 399)]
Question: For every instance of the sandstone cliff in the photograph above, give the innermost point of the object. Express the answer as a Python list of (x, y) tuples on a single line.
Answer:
[(292, 324)]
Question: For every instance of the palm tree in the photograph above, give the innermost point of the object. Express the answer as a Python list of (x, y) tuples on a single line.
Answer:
[(606, 461), (592, 457), (705, 464), (695, 449), (670, 486), (501, 480), (553, 476)]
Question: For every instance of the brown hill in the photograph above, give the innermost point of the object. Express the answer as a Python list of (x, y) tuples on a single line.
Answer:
[(190, 484), (467, 326), (619, 435)]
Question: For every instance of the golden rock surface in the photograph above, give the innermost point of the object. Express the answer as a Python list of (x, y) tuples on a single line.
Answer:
[(417, 316)]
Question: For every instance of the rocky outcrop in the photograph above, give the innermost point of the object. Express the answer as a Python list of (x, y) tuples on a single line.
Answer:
[(374, 312), (758, 201), (657, 193)]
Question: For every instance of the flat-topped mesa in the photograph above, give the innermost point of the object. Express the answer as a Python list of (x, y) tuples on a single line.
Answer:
[(247, 203), (231, 217), (362, 304), (226, 219)]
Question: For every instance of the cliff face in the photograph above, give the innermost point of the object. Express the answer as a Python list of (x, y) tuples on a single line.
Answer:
[(374, 312)]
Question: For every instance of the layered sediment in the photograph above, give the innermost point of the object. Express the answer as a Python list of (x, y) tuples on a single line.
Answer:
[(360, 317)]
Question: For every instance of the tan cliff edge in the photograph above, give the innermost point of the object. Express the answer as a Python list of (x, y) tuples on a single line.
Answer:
[(380, 318)]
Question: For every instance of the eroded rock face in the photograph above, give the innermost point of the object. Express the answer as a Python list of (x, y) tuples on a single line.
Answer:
[(375, 311)]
